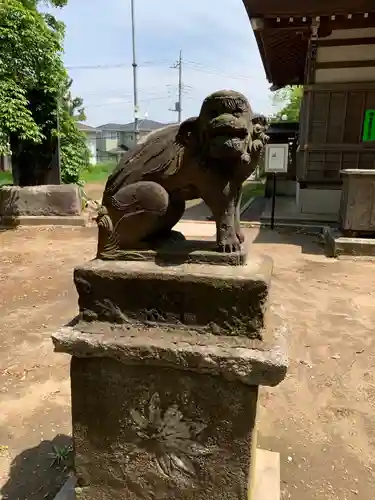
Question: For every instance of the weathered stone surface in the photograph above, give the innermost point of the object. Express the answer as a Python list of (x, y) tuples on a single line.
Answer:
[(223, 300), (266, 479), (240, 359), (142, 432), (339, 246), (357, 209), (67, 491), (49, 200), (186, 252), (206, 157)]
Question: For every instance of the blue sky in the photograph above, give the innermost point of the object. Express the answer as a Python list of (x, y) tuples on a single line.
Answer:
[(219, 51)]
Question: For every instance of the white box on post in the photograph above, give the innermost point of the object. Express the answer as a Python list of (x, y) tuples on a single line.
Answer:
[(276, 158)]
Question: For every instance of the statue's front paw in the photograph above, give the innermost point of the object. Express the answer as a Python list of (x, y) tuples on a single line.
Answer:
[(229, 244), (257, 145), (240, 236)]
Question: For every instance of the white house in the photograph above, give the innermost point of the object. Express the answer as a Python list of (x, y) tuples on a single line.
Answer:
[(108, 142), (91, 140), (114, 137)]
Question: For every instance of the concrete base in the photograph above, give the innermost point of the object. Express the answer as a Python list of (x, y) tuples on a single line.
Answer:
[(288, 213), (339, 246), (319, 202), (283, 187), (43, 220), (267, 478)]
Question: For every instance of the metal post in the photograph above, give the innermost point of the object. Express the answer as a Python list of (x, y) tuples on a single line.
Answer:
[(273, 201), (135, 90)]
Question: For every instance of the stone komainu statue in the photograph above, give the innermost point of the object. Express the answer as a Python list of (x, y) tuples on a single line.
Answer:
[(207, 157)]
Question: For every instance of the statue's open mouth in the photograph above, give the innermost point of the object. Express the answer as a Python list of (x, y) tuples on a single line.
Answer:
[(229, 131), (226, 146), (225, 133)]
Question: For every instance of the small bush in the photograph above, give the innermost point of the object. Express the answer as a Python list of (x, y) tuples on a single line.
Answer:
[(98, 172)]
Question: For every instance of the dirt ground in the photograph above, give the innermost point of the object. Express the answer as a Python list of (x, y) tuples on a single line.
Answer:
[(320, 419)]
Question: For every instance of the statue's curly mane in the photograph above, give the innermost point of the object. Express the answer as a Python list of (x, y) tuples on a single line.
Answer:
[(229, 100)]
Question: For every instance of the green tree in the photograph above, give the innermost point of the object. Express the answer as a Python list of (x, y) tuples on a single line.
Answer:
[(290, 99), (32, 84), (75, 155)]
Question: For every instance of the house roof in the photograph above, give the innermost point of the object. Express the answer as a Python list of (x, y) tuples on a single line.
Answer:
[(266, 8), (144, 125), (282, 30), (83, 126)]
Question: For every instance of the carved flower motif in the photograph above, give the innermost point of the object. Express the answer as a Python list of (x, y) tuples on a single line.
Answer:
[(169, 438)]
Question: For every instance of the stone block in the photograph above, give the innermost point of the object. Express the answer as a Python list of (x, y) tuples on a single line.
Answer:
[(217, 299), (266, 479), (166, 416), (340, 246), (51, 200), (357, 208), (185, 251)]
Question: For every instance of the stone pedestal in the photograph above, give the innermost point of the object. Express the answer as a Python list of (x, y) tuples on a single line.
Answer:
[(38, 205), (218, 299), (356, 234), (166, 368), (357, 209)]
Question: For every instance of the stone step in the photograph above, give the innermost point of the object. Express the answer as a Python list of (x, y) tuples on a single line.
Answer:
[(267, 476)]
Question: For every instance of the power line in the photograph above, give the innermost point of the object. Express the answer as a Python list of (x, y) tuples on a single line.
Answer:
[(97, 66), (191, 65), (119, 91), (149, 99), (214, 71)]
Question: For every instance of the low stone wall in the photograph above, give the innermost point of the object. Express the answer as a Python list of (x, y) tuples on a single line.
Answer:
[(50, 200)]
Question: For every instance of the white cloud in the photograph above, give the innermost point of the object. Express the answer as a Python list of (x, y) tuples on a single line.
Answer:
[(217, 42)]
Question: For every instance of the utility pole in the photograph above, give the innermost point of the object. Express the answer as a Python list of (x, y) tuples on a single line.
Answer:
[(180, 88), (178, 104), (135, 67)]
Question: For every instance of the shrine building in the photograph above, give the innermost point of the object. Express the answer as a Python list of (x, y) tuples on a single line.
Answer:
[(329, 48)]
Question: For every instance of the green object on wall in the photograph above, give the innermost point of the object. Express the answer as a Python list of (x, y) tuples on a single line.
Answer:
[(369, 126)]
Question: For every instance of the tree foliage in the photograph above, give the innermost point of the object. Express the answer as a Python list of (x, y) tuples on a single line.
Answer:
[(75, 155), (34, 85), (290, 98)]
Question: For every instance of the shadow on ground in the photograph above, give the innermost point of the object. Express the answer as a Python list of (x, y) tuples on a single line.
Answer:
[(254, 210), (8, 228), (38, 473), (310, 242)]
